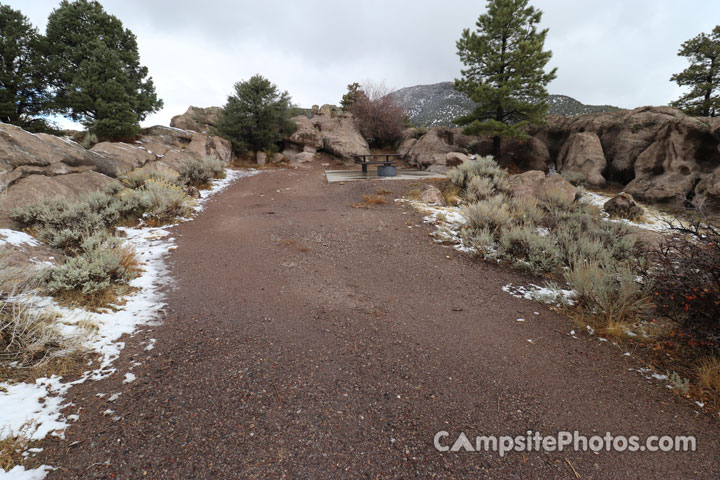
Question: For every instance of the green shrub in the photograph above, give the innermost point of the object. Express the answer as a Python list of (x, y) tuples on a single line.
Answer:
[(158, 201), (482, 240), (99, 264), (611, 293), (62, 224), (527, 210), (480, 167), (480, 188), (528, 250), (198, 173), (492, 214)]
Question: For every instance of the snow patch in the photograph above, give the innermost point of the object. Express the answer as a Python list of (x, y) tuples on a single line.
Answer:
[(551, 295), (34, 409), (16, 238)]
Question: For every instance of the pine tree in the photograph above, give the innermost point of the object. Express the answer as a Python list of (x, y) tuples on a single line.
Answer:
[(505, 71), (256, 117), (353, 94), (97, 76), (23, 92), (702, 76)]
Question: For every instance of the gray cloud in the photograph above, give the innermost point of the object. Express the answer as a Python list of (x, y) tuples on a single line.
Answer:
[(619, 52)]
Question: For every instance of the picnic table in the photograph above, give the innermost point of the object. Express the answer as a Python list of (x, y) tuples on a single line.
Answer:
[(386, 168)]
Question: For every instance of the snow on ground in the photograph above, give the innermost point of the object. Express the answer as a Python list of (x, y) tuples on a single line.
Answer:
[(551, 295), (448, 222), (34, 409), (655, 220), (16, 238)]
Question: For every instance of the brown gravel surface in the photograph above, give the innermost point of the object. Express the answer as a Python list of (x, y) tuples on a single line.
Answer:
[(305, 338)]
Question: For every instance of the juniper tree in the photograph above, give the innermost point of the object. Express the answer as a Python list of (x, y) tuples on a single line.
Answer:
[(256, 117), (354, 93), (702, 76), (23, 92), (505, 71), (96, 71)]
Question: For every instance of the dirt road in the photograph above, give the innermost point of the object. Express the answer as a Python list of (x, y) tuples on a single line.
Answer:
[(305, 338)]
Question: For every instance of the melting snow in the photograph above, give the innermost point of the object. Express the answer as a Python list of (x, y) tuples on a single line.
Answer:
[(39, 404), (16, 238)]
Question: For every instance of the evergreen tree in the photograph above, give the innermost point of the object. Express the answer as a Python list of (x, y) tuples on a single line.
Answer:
[(353, 94), (505, 71), (23, 92), (256, 117), (97, 76), (702, 76)]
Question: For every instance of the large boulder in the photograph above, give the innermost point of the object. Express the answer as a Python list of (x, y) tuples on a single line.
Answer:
[(340, 134), (197, 119), (707, 191), (117, 159), (23, 154), (432, 148), (668, 169), (432, 195), (623, 205), (582, 154), (535, 183), (306, 133)]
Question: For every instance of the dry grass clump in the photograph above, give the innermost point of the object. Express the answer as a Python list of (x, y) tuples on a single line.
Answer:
[(139, 176), (12, 448), (370, 201), (708, 374), (30, 342)]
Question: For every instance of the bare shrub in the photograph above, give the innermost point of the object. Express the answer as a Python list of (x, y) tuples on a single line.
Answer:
[(685, 269), (379, 116)]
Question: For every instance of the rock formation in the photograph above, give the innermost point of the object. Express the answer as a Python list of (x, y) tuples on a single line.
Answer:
[(37, 166), (197, 119), (658, 154), (329, 131)]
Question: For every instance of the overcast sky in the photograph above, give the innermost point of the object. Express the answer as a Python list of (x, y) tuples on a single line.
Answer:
[(618, 52)]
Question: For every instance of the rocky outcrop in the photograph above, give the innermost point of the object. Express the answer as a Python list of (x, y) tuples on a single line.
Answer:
[(306, 134), (330, 131), (659, 153), (433, 148), (340, 135), (36, 166), (197, 119), (582, 154), (35, 187)]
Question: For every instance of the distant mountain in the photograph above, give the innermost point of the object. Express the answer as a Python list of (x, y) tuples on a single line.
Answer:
[(439, 104)]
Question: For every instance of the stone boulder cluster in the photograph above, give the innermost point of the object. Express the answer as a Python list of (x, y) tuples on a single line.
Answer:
[(35, 166), (659, 154), (329, 131)]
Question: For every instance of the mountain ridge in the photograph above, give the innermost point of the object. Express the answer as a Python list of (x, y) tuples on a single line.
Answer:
[(439, 104)]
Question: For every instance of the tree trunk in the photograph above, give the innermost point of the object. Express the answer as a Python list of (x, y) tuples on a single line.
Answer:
[(497, 149)]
